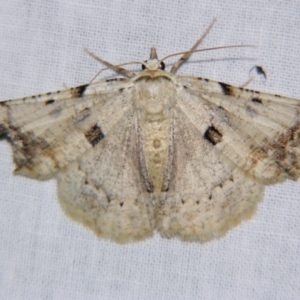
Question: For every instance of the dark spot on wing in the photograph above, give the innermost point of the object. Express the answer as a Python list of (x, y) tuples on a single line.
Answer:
[(251, 111), (256, 100), (279, 154), (82, 115), (226, 89), (94, 135), (79, 90), (121, 90), (55, 112), (112, 79), (213, 135), (205, 79), (50, 101), (121, 204), (150, 188)]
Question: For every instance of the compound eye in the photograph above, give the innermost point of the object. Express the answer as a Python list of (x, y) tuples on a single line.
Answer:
[(143, 66), (162, 65)]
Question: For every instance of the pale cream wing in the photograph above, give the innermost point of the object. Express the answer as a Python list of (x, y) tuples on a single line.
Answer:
[(258, 132), (104, 189), (207, 193), (49, 131), (227, 143)]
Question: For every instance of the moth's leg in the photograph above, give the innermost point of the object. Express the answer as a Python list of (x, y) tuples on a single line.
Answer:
[(247, 82), (259, 71)]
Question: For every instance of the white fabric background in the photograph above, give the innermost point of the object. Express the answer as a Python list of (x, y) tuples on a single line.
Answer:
[(43, 254)]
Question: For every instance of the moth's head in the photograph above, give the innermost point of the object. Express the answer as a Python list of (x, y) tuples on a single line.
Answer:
[(153, 63)]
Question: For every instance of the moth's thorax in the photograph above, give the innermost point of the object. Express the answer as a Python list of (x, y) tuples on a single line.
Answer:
[(155, 98)]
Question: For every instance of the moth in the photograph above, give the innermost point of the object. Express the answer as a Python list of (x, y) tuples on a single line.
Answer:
[(185, 156)]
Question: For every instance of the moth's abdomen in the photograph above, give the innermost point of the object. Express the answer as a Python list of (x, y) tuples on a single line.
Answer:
[(154, 102)]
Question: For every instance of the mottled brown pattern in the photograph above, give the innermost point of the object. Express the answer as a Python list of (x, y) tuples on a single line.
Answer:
[(94, 135), (78, 91), (3, 129), (31, 146), (226, 88), (256, 100), (213, 135), (50, 101)]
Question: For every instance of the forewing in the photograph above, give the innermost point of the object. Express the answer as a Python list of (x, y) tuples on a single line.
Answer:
[(258, 132), (49, 131)]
